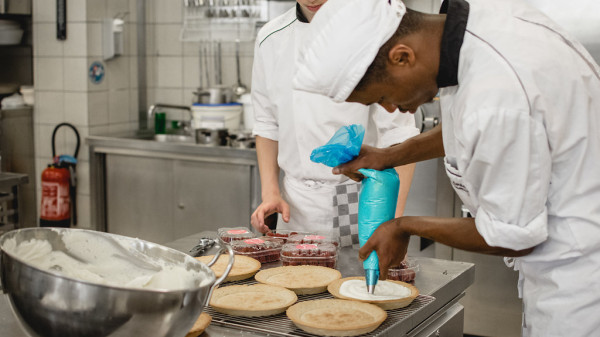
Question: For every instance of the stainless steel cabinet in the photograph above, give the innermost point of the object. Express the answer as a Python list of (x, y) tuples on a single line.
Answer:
[(209, 196), (449, 323), (159, 199), (139, 197), (160, 191), (17, 153)]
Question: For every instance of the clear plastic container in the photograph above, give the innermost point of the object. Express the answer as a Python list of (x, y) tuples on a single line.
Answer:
[(304, 238), (229, 234), (406, 272), (283, 234), (314, 254), (264, 249)]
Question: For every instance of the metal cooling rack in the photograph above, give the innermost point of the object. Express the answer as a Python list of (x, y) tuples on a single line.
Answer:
[(280, 325)]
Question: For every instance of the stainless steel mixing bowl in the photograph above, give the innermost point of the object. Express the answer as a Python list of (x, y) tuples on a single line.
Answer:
[(48, 304)]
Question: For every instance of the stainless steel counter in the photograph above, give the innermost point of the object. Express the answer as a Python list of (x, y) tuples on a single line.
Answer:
[(12, 213), (442, 279), (135, 142)]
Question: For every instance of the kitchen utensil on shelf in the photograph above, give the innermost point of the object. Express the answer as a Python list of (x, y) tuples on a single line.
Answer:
[(49, 304), (239, 88), (242, 140), (218, 66), (211, 137), (218, 94)]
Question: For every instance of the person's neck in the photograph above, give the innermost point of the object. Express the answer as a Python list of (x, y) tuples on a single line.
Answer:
[(433, 30), (308, 14)]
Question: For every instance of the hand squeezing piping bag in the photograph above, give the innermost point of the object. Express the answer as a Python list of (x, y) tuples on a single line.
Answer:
[(376, 205), (379, 192)]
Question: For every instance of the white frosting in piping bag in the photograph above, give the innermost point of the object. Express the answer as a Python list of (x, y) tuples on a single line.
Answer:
[(384, 290)]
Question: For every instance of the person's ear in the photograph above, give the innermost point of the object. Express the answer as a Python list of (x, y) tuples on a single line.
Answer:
[(401, 55)]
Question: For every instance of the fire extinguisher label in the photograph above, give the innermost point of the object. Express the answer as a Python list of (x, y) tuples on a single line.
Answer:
[(55, 201)]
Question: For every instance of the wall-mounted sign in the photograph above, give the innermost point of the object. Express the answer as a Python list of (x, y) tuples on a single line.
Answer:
[(96, 72)]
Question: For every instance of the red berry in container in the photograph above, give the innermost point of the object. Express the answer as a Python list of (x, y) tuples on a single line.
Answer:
[(264, 249), (316, 254), (405, 272)]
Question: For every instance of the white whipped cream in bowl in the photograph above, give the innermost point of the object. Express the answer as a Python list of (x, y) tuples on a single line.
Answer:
[(89, 283)]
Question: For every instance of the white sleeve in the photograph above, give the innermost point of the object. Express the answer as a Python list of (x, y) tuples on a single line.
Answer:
[(507, 175), (392, 128), (265, 116)]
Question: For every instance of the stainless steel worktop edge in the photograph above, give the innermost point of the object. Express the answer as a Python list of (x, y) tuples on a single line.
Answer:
[(130, 142)]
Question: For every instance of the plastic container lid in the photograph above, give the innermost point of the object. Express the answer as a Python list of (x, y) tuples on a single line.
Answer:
[(228, 234), (283, 234), (406, 272), (264, 249), (312, 254), (312, 238), (231, 104)]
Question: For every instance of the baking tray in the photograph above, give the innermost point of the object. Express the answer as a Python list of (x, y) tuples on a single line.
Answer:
[(280, 325)]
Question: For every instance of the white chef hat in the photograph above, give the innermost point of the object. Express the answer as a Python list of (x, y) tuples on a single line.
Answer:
[(343, 40)]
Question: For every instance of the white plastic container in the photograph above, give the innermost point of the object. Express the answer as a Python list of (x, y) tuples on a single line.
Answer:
[(217, 116), (246, 101)]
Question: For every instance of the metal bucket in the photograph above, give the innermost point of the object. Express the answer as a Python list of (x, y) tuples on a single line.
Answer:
[(49, 304)]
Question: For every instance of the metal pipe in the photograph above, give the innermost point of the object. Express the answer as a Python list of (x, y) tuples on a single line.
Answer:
[(167, 106), (143, 122)]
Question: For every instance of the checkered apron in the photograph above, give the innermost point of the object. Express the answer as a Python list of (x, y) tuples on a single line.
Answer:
[(345, 214)]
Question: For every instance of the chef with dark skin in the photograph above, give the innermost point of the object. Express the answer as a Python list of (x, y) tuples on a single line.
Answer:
[(520, 103)]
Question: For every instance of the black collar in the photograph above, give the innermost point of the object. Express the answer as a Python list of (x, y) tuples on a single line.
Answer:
[(457, 15), (300, 15)]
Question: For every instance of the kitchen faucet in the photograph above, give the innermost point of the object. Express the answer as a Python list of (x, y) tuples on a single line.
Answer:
[(186, 125)]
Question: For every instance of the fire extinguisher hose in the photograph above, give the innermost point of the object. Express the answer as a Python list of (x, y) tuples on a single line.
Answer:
[(72, 168)]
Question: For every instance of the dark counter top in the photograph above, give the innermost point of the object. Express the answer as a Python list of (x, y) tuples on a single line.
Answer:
[(9, 179)]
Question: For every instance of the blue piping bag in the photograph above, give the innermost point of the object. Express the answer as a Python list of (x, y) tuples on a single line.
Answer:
[(376, 205), (379, 192)]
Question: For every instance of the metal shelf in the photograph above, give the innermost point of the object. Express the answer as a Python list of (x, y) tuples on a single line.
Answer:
[(222, 20)]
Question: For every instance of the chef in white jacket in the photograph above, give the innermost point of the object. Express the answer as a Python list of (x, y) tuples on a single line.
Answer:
[(289, 124), (520, 136)]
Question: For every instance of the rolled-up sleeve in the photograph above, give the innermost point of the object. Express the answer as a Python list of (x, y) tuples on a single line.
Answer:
[(265, 114), (507, 165), (393, 128)]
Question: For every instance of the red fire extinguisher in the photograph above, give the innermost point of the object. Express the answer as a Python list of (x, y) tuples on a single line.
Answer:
[(58, 208)]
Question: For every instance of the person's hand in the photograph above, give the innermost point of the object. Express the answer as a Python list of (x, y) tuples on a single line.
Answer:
[(390, 243), (266, 208), (369, 157)]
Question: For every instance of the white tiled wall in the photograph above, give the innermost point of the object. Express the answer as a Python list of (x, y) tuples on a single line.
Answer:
[(64, 93), (174, 66)]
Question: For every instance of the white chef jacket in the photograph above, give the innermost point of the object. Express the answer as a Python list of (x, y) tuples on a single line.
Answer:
[(521, 132), (302, 121)]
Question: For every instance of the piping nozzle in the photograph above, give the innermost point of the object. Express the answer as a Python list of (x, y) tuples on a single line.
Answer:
[(371, 277)]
